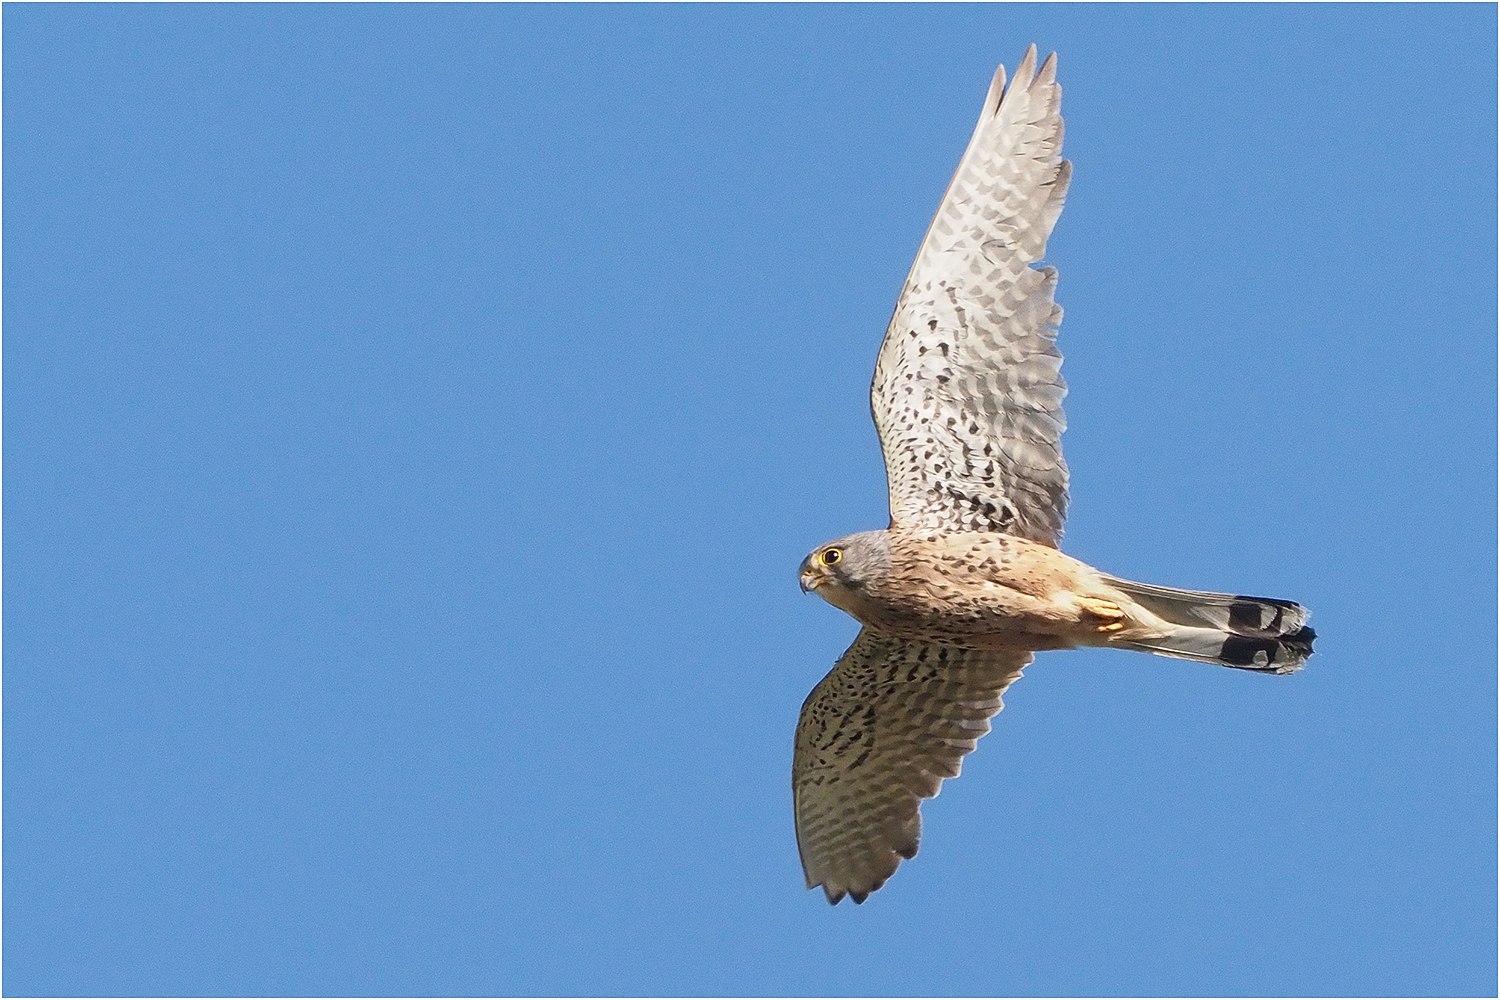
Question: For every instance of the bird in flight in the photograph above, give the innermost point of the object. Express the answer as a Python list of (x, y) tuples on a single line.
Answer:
[(967, 582)]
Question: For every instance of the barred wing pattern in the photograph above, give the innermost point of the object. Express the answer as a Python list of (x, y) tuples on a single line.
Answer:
[(892, 719), (967, 395)]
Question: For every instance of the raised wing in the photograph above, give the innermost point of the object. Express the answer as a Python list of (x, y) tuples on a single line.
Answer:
[(967, 396), (892, 719)]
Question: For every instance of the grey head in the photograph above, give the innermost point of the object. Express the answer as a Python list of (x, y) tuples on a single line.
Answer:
[(840, 571)]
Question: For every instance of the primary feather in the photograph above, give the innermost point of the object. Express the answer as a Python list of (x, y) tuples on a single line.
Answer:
[(967, 395), (876, 737)]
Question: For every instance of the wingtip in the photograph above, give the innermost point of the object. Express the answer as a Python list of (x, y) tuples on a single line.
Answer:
[(1027, 69), (1048, 73), (997, 91), (1027, 76)]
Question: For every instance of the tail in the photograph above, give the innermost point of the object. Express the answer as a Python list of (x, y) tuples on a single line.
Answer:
[(1249, 633)]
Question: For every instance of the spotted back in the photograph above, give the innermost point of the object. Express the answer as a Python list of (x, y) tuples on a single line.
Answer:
[(967, 395)]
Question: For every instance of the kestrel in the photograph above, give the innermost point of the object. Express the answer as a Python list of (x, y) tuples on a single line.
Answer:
[(967, 582)]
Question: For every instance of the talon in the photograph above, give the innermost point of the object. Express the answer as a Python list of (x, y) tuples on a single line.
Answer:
[(1101, 608)]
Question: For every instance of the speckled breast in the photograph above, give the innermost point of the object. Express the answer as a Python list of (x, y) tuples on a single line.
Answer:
[(981, 590)]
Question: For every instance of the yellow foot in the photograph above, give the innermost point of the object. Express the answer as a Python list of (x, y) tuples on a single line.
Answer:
[(1104, 609)]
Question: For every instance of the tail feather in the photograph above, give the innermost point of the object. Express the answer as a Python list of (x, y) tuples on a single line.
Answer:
[(1249, 633)]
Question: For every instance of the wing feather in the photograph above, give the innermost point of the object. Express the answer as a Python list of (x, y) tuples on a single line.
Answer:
[(876, 737), (967, 394)]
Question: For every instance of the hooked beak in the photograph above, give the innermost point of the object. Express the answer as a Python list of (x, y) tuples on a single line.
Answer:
[(809, 576)]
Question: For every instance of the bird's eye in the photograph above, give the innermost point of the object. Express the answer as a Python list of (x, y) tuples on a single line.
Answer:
[(831, 556)]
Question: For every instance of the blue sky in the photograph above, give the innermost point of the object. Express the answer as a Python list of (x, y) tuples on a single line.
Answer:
[(415, 416)]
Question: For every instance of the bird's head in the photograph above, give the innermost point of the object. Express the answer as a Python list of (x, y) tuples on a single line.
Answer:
[(840, 571)]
